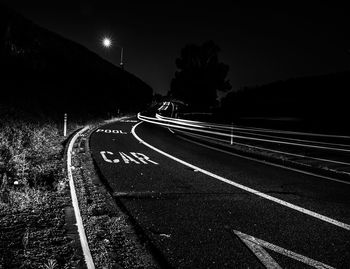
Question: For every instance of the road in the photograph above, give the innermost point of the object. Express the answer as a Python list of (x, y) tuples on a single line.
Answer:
[(202, 208)]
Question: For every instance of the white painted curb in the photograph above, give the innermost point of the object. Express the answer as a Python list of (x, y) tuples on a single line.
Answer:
[(83, 240)]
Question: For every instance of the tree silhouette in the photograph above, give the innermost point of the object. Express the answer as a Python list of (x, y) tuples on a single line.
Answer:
[(200, 75)]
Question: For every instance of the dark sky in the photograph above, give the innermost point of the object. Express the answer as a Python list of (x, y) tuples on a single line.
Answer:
[(260, 43)]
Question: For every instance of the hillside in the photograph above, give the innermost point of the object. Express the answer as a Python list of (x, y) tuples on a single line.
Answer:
[(45, 72)]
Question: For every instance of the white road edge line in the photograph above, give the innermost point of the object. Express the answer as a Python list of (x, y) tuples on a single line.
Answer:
[(83, 240), (240, 186)]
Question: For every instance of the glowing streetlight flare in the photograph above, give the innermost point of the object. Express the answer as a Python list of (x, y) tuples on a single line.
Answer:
[(107, 42)]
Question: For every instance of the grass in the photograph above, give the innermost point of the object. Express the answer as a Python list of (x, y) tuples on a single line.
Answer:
[(34, 196), (33, 193), (30, 164), (29, 154)]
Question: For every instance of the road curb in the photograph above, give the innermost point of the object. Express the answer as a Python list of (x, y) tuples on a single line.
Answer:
[(82, 235)]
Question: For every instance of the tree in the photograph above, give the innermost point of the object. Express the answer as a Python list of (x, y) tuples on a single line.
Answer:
[(200, 76)]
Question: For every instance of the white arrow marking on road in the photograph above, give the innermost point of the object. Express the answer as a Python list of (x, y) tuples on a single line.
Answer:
[(257, 247)]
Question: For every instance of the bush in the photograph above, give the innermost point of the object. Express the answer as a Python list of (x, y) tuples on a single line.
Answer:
[(30, 154)]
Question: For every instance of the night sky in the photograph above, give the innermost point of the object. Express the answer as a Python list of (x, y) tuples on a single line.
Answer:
[(261, 44)]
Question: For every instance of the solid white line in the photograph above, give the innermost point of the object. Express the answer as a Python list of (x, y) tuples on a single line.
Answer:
[(240, 186), (83, 240), (266, 162)]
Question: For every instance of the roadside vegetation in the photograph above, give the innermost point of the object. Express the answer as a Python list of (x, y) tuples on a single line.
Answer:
[(34, 194)]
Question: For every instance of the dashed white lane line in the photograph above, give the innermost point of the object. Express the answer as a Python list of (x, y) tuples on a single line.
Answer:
[(83, 240), (248, 189)]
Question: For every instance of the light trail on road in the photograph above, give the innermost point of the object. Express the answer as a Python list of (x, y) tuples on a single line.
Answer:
[(228, 127), (315, 153), (283, 140)]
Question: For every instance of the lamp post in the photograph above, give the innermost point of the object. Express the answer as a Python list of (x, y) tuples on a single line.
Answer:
[(107, 43)]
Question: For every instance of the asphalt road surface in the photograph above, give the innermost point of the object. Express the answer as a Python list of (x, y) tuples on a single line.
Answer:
[(202, 208)]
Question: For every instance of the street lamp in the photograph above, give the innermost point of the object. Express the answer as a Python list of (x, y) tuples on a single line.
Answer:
[(107, 43)]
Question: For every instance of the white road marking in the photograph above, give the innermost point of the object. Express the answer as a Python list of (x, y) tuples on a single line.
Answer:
[(127, 158), (143, 158), (257, 247), (104, 153), (109, 131), (83, 240), (248, 189)]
